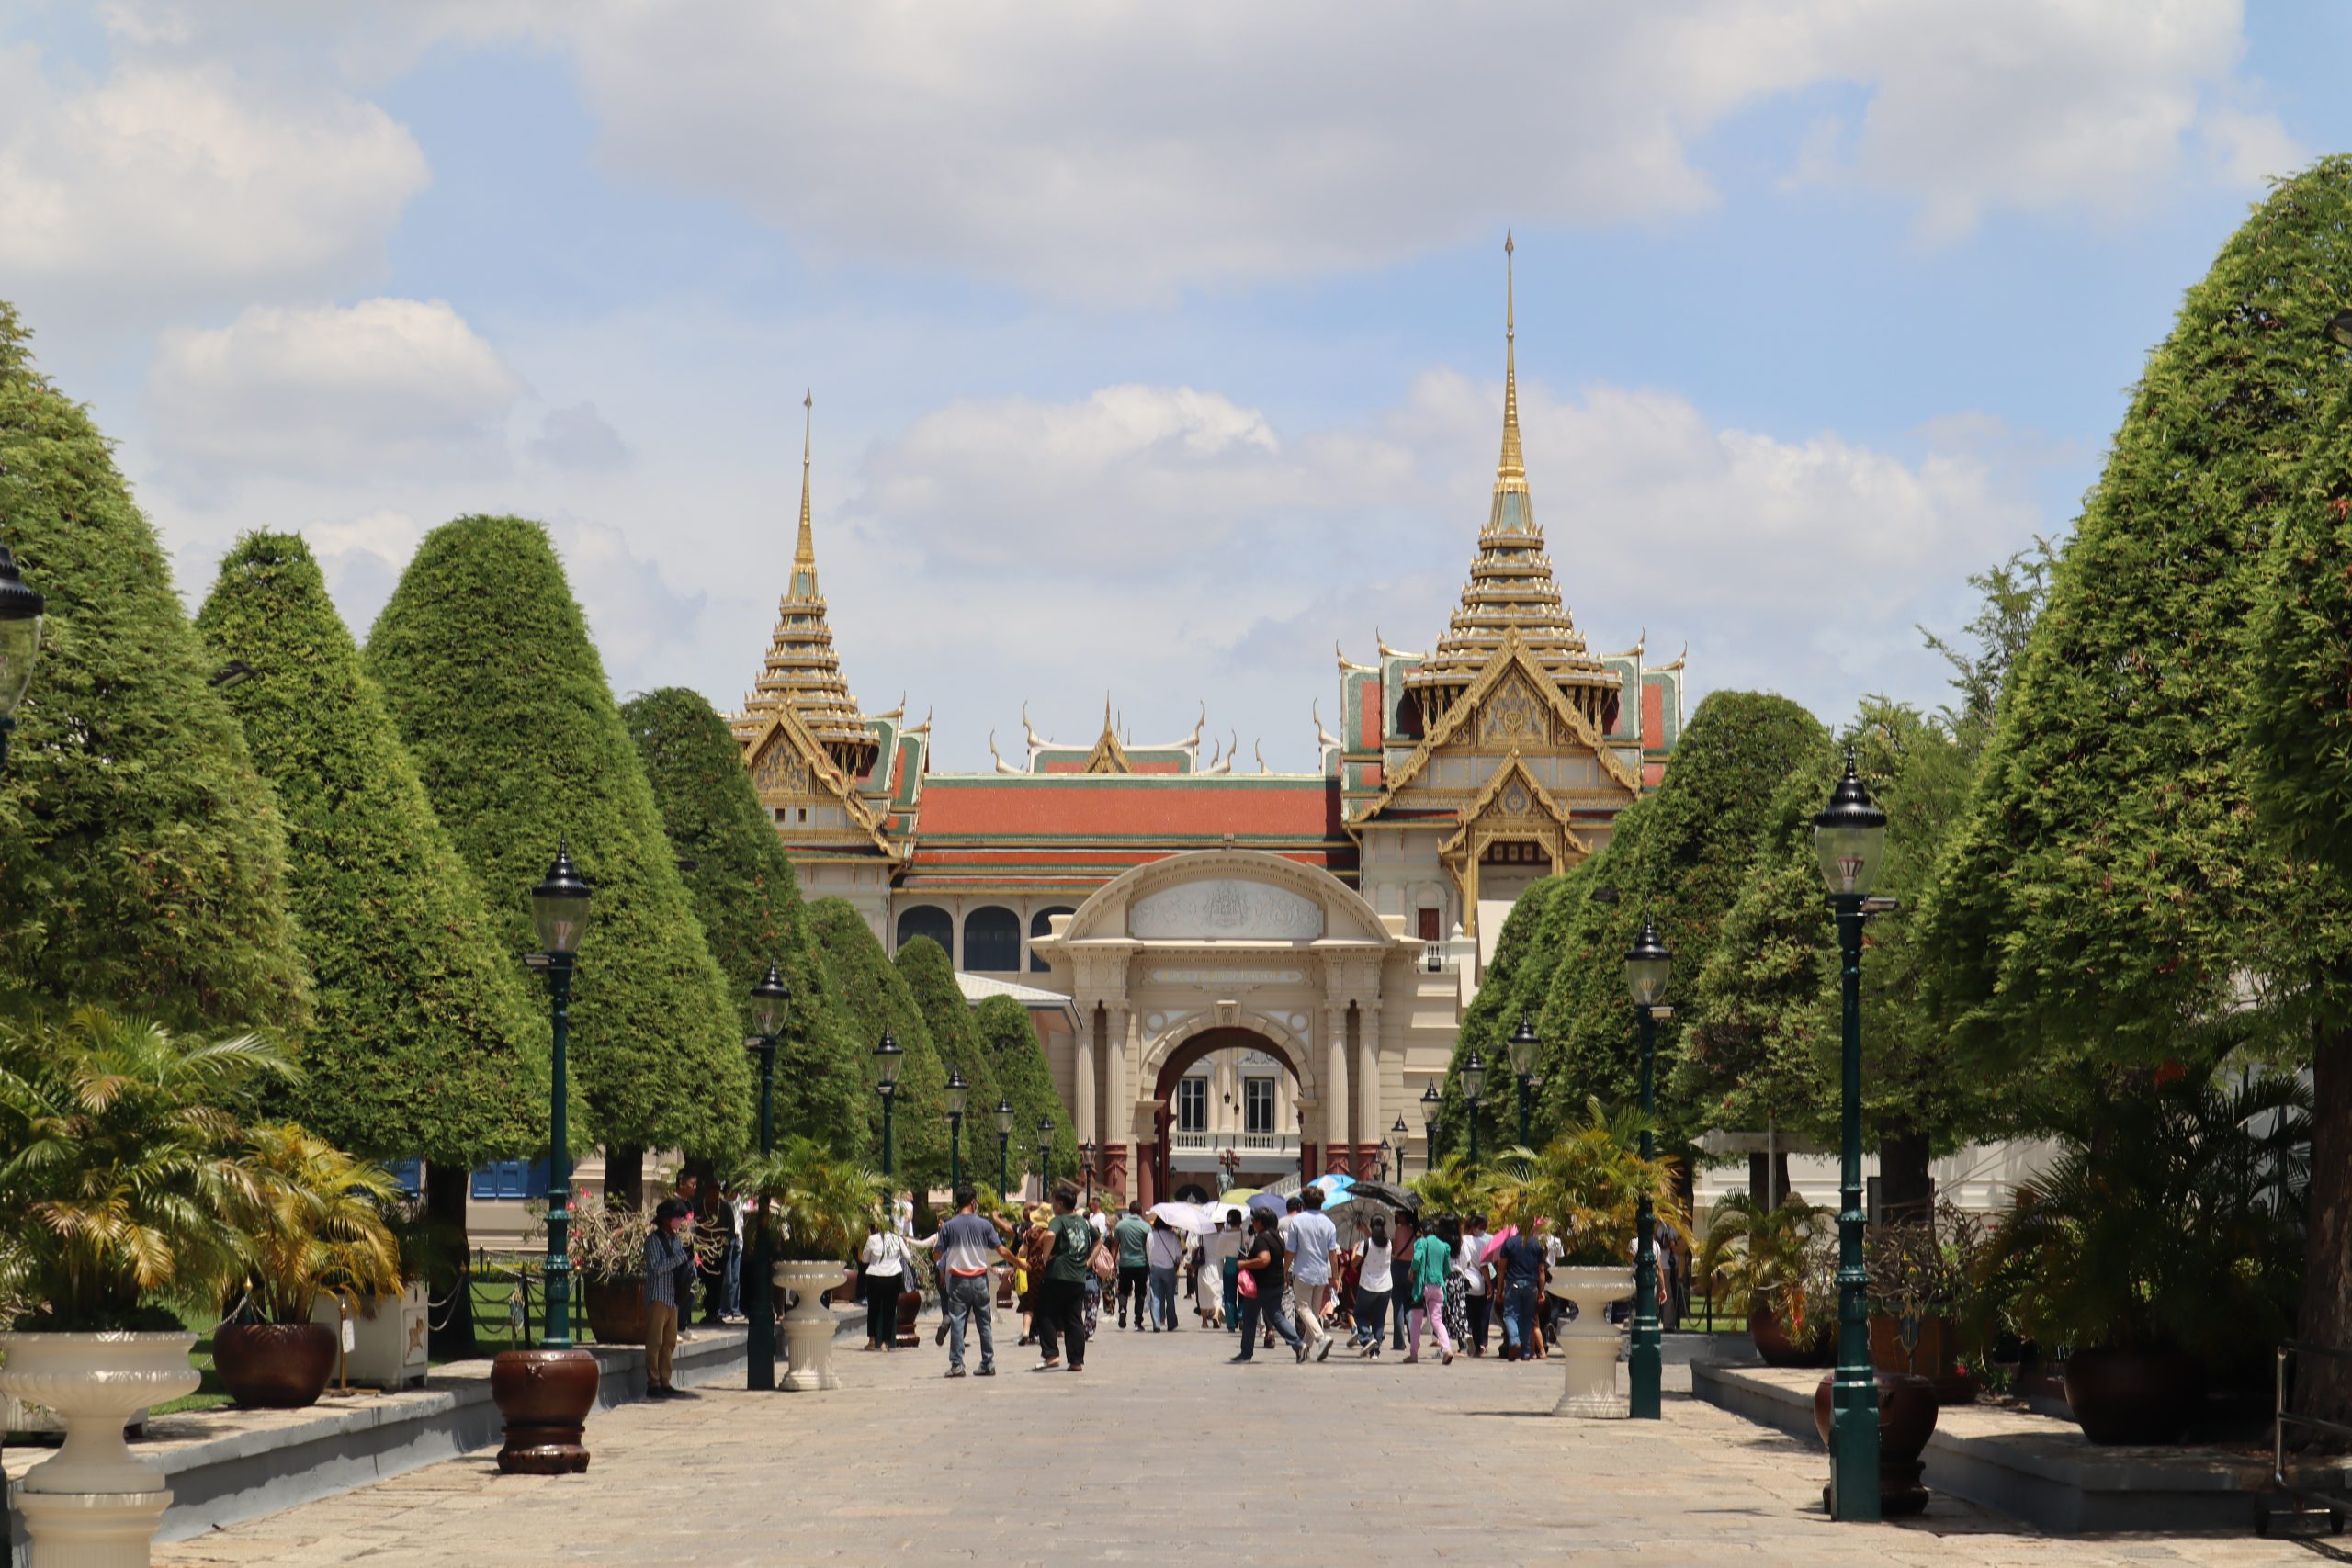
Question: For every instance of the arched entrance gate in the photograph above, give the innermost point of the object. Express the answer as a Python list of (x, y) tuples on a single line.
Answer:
[(1183, 957)]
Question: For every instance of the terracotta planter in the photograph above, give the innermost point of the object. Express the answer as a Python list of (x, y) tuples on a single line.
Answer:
[(93, 1502), (615, 1309), (1588, 1343), (1906, 1420), (1936, 1358), (1773, 1342), (275, 1366), (2133, 1396), (909, 1308), (545, 1396)]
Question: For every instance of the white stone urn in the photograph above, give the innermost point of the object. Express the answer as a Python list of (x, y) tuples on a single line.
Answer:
[(1587, 1347), (92, 1504), (808, 1326)]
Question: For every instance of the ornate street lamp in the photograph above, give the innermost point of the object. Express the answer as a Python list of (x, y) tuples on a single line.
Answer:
[(1086, 1162), (1472, 1076), (1646, 968), (957, 1092), (21, 610), (1003, 1144), (771, 1000), (1045, 1159), (1429, 1126), (1849, 840), (1404, 1141), (1525, 1051), (887, 1059), (548, 1391)]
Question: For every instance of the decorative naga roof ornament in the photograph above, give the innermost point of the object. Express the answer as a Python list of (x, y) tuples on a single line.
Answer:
[(1349, 666), (1108, 756), (802, 672), (1324, 740), (1510, 589)]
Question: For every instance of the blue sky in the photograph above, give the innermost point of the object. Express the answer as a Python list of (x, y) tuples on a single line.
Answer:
[(1155, 349)]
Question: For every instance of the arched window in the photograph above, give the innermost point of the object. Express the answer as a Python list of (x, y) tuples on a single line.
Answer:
[(1041, 924), (993, 941), (928, 920)]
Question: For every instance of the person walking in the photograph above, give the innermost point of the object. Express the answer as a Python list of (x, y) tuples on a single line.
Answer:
[(669, 1291), (1037, 1247), (1375, 1287), (1236, 1225), (1409, 1230), (1520, 1268), (1132, 1236), (1477, 1285), (1210, 1255), (967, 1244), (1263, 1257), (715, 1244), (1315, 1247), (1432, 1265), (882, 1275), (1163, 1254), (1061, 1296)]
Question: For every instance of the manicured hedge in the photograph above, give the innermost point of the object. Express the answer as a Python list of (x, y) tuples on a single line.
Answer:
[(1009, 1038), (878, 999)]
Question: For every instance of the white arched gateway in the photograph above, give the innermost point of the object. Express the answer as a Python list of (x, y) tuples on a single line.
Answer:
[(1225, 950)]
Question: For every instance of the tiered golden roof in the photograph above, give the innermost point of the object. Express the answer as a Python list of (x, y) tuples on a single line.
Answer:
[(1510, 587), (803, 673)]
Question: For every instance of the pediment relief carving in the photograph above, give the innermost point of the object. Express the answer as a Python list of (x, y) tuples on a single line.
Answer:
[(1513, 716), (1225, 909), (780, 771)]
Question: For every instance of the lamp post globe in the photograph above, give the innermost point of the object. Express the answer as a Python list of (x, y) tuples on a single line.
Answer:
[(770, 1001), (887, 1059), (1647, 966), (1003, 1144), (957, 1092), (545, 1394), (1526, 1049), (1849, 841), (22, 611), (1472, 1076), (1429, 1126)]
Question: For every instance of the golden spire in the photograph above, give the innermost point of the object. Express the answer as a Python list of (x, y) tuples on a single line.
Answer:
[(803, 555), (1513, 465)]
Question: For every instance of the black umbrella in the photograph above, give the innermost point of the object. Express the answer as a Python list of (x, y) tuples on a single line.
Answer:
[(1382, 1192)]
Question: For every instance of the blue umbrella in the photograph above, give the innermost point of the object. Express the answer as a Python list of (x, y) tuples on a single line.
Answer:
[(1335, 1189), (1274, 1204)]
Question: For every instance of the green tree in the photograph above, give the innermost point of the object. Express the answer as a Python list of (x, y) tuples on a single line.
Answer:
[(747, 902), (1681, 859), (924, 966), (2112, 898), (426, 1043), (879, 999), (142, 860), (1024, 1077), (484, 660)]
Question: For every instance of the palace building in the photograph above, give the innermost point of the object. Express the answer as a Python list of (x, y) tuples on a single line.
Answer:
[(1254, 971)]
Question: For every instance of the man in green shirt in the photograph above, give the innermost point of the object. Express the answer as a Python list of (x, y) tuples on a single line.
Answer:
[(1132, 1238), (1433, 1260), (1061, 1295)]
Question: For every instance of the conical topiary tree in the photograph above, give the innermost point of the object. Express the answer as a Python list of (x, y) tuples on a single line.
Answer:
[(747, 902), (484, 660), (1024, 1077), (2113, 897), (141, 861), (878, 999), (925, 967)]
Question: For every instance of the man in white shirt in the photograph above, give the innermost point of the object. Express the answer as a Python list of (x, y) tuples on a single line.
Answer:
[(1163, 1254), (1315, 1249)]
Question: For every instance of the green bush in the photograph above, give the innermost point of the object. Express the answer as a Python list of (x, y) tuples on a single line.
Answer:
[(925, 967), (1023, 1074), (878, 999)]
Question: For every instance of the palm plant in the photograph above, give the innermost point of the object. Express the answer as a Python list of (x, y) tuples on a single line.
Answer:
[(820, 1207), (1775, 1261), (1454, 1186), (1588, 1183), (2172, 1217), (122, 1175), (319, 1225)]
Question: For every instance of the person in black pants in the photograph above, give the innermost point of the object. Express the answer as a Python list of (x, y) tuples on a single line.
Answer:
[(1062, 1295), (1404, 1298)]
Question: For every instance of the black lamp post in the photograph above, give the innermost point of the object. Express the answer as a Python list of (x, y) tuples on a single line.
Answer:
[(1646, 968), (957, 1092), (20, 619), (887, 1059), (1086, 1160), (1428, 1128), (1003, 1147), (1045, 1159), (548, 1391), (1473, 1074), (1525, 1048), (771, 1000), (1403, 1136), (1849, 840)]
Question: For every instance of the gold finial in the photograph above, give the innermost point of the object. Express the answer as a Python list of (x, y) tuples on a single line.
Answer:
[(803, 554), (1513, 465)]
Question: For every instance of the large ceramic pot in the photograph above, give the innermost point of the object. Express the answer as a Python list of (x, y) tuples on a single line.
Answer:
[(1773, 1342), (2124, 1395), (1936, 1357), (615, 1309), (275, 1366), (1906, 1420), (909, 1309), (1588, 1345), (808, 1326), (91, 1504), (546, 1396)]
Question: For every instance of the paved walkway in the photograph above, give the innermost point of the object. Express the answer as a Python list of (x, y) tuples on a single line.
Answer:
[(1158, 1453)]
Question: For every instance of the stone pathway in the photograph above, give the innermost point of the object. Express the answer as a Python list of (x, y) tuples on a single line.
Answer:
[(1159, 1453)]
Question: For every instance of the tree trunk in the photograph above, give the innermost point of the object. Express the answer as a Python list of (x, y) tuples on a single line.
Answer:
[(1906, 1190), (625, 1174), (452, 1334), (2323, 1384), (1759, 1173), (1768, 1177)]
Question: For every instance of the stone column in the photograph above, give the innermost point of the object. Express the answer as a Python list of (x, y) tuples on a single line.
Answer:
[(1371, 1128), (1090, 1041), (1335, 1087)]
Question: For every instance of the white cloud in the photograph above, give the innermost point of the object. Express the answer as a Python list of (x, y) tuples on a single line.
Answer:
[(346, 392), (168, 182)]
